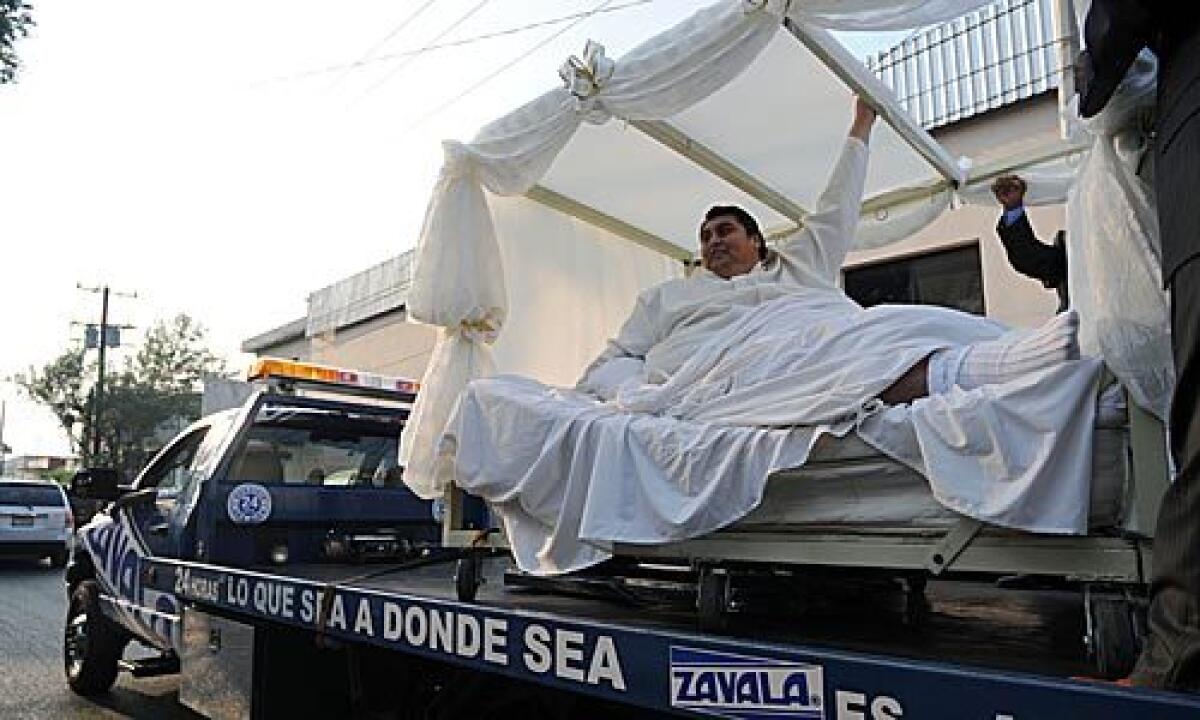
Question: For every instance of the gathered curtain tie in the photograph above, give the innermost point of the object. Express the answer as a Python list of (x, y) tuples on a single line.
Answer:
[(584, 78), (483, 330), (458, 161)]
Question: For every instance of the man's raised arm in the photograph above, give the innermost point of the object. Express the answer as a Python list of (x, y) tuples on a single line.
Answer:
[(828, 232)]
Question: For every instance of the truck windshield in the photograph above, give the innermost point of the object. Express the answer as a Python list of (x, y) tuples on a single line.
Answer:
[(309, 447)]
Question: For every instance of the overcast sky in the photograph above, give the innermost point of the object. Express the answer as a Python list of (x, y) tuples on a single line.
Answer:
[(215, 159)]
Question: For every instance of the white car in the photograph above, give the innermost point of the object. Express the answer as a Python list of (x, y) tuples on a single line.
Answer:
[(35, 521)]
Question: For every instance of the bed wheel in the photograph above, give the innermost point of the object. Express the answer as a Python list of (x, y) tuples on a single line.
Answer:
[(468, 576), (1112, 640), (916, 602), (712, 598)]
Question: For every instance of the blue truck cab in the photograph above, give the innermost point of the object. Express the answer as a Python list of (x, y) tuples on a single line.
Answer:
[(303, 471)]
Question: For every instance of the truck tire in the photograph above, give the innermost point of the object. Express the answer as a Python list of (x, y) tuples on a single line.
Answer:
[(92, 646)]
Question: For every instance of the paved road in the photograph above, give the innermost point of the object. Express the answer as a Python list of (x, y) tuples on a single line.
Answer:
[(32, 607)]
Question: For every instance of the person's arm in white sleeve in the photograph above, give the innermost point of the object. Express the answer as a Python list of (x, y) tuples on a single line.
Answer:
[(623, 360), (828, 232)]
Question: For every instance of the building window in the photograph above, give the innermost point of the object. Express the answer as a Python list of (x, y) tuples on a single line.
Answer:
[(949, 278)]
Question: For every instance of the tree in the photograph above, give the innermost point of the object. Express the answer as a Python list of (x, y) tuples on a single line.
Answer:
[(59, 385), (155, 394), (16, 18)]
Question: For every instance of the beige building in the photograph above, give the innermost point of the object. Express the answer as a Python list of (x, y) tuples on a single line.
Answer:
[(37, 467), (359, 322), (985, 86)]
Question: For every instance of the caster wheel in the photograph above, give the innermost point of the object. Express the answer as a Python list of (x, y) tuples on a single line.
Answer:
[(1112, 640), (468, 576), (712, 599)]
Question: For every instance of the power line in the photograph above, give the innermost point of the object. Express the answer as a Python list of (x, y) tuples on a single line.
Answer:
[(391, 34), (433, 47), (492, 75), (404, 63)]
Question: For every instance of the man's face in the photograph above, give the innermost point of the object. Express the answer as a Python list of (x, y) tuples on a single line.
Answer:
[(726, 248)]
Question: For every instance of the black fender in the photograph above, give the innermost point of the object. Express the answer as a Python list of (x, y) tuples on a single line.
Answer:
[(79, 567)]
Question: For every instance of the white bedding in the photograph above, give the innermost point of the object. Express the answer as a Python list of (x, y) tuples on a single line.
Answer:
[(570, 475)]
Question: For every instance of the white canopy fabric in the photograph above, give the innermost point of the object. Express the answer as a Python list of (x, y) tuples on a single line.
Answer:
[(881, 14), (727, 82), (1115, 249)]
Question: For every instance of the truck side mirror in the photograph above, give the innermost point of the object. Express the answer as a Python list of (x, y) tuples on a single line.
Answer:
[(96, 484)]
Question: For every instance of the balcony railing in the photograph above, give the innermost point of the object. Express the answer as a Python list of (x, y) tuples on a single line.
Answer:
[(992, 57)]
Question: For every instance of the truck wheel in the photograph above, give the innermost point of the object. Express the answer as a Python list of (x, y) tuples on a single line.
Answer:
[(92, 647)]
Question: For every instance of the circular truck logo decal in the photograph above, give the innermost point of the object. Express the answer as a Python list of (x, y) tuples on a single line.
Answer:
[(249, 504)]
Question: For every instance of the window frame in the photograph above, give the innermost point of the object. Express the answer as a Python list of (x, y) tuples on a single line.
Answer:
[(908, 258)]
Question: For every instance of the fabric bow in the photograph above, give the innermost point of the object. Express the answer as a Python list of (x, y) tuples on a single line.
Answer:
[(584, 79), (479, 329)]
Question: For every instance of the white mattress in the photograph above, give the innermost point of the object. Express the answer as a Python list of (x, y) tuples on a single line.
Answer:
[(847, 482)]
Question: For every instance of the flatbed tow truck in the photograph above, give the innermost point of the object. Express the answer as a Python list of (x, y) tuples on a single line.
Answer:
[(602, 658), (280, 633)]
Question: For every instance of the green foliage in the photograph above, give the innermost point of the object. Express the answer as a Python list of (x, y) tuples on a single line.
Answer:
[(16, 18), (155, 394), (62, 476), (60, 386)]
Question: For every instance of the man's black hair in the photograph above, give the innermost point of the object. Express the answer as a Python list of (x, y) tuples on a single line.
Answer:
[(748, 223)]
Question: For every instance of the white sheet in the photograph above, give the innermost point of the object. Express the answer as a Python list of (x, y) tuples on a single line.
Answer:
[(847, 483)]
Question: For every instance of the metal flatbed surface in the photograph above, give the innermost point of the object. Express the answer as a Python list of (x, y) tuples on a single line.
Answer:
[(979, 652), (968, 622)]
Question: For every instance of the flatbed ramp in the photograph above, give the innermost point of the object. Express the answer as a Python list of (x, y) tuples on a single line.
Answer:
[(977, 652)]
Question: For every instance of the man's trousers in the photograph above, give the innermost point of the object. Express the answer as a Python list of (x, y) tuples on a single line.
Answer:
[(1172, 656)]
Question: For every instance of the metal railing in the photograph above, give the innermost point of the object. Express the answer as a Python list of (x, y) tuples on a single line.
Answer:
[(987, 59)]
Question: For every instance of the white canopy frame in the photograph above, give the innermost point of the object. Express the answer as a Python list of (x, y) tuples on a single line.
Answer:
[(855, 75), (712, 161), (604, 221)]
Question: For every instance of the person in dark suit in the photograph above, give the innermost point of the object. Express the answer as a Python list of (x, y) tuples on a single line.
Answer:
[(1028, 255), (1115, 32)]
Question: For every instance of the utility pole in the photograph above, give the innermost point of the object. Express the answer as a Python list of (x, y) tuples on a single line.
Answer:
[(100, 372), (3, 413), (103, 341)]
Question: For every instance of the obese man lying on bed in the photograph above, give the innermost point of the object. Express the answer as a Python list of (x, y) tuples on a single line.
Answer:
[(720, 379)]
